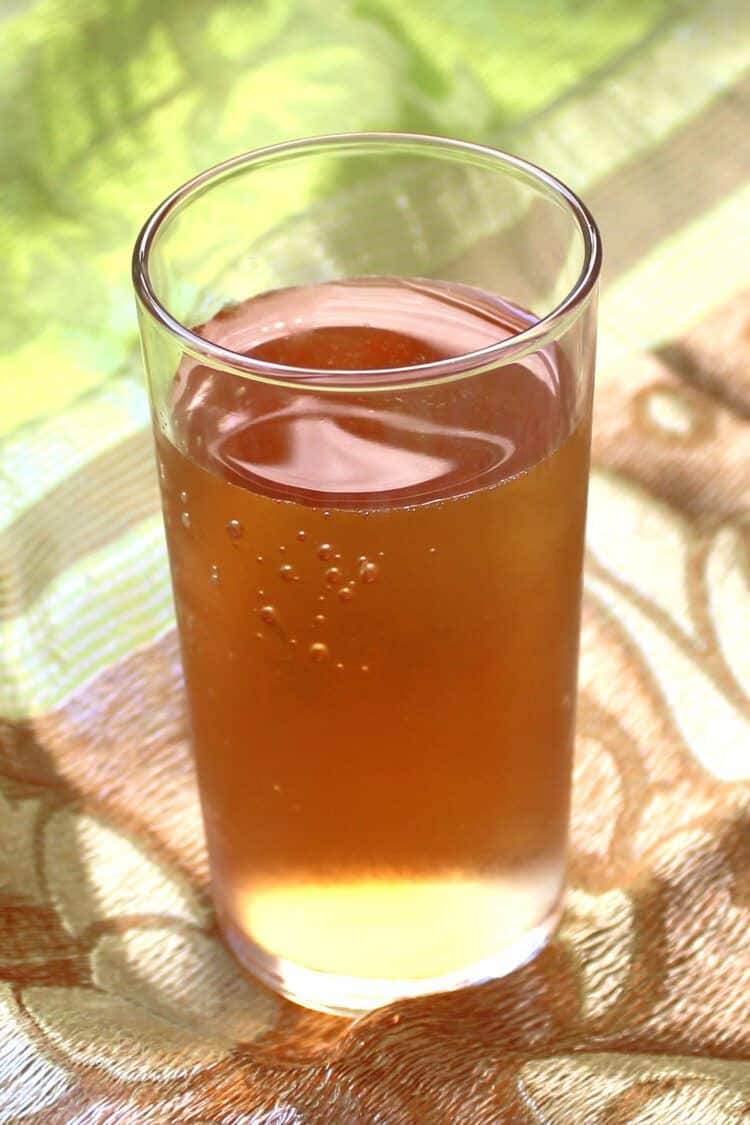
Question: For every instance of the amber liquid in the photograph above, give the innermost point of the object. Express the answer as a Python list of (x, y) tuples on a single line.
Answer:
[(378, 602)]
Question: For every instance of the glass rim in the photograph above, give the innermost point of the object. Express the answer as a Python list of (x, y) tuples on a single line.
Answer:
[(542, 332)]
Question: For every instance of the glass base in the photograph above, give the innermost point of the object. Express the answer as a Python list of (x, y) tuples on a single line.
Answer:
[(354, 996)]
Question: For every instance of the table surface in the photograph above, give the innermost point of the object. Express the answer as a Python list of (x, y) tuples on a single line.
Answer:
[(117, 1001)]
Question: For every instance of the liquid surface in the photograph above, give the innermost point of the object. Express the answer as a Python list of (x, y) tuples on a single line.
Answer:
[(363, 449), (378, 600)]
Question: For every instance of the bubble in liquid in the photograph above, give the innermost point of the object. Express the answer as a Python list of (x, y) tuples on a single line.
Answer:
[(381, 554), (287, 573), (214, 574), (432, 550), (325, 552), (162, 473), (365, 667), (282, 550), (268, 614), (340, 666), (334, 577), (320, 619), (346, 593), (321, 597), (326, 515), (368, 571), (276, 788), (235, 529), (185, 517), (302, 536), (292, 641), (183, 497), (259, 636), (259, 560), (319, 652)]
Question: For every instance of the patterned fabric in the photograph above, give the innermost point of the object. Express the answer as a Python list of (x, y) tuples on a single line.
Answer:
[(117, 1000)]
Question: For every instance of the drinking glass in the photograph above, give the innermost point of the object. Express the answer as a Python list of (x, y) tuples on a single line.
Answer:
[(370, 363)]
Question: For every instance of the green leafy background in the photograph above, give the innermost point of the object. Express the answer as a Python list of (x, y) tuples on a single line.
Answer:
[(107, 106)]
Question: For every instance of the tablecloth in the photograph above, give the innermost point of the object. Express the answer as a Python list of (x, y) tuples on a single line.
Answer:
[(118, 1002)]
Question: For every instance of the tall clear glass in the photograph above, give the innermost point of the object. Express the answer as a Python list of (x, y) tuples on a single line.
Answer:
[(370, 361)]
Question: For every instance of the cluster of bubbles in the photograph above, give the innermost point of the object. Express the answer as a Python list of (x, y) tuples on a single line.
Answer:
[(335, 577), (336, 581), (184, 514)]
